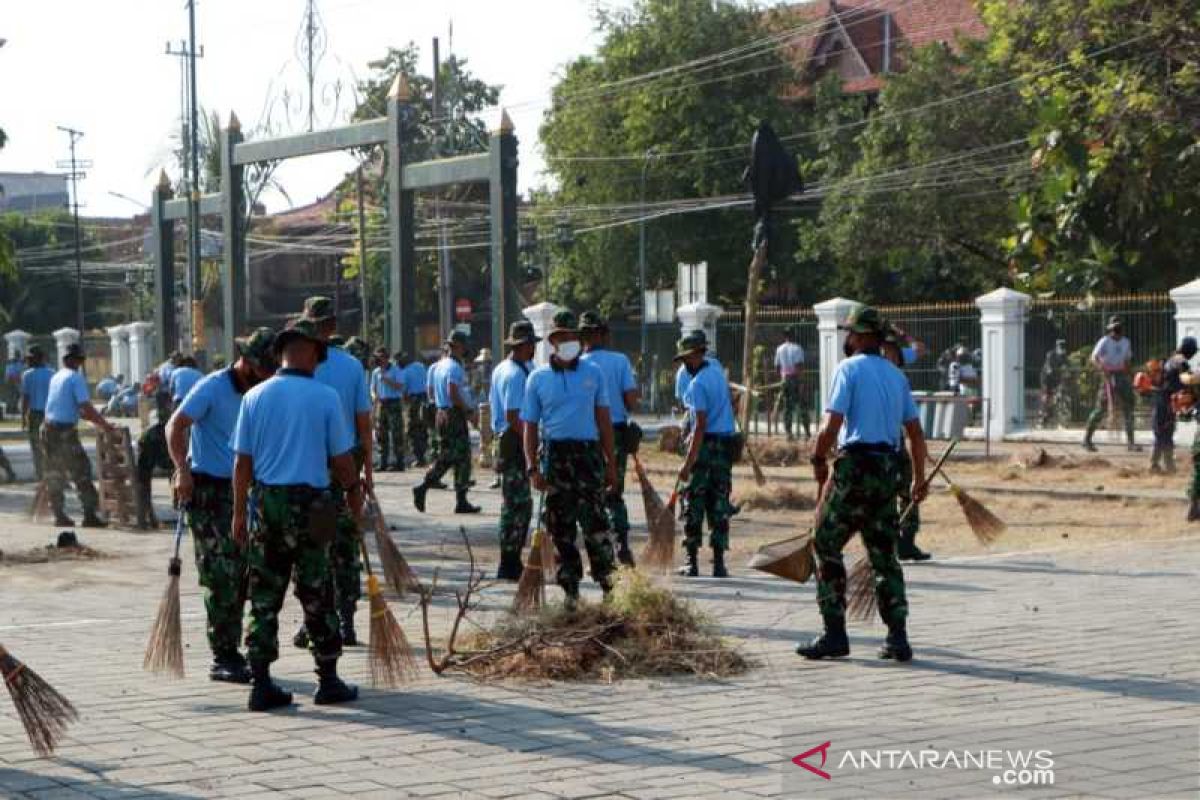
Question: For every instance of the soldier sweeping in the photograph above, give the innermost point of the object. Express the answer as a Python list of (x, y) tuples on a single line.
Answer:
[(568, 400), (291, 435), (505, 396), (706, 477), (152, 452), (343, 373), (416, 383), (623, 398), (35, 388), (789, 358), (869, 402), (66, 401), (454, 411), (387, 386), (1112, 356), (183, 378), (198, 436), (1162, 418)]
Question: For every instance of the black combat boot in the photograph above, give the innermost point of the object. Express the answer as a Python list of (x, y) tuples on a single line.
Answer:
[(301, 637), (907, 549), (330, 688), (230, 668), (896, 647), (419, 492), (832, 644), (62, 520), (571, 601), (719, 570), (692, 568), (1087, 441), (439, 484), (90, 520), (266, 694), (624, 554), (510, 567), (461, 506)]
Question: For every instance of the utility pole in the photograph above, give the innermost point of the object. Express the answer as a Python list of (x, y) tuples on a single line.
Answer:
[(445, 315), (76, 175), (362, 252), (190, 136), (642, 246)]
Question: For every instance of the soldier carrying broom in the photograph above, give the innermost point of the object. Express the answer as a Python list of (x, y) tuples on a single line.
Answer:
[(291, 435), (506, 394), (198, 437), (870, 401)]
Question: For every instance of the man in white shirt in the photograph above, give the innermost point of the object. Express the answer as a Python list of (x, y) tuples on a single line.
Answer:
[(1112, 357), (789, 358)]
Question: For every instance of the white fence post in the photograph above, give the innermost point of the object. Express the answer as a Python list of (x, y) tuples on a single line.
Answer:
[(1187, 310), (63, 338), (140, 344), (18, 342), (700, 317), (1002, 319), (830, 341), (118, 340), (542, 316)]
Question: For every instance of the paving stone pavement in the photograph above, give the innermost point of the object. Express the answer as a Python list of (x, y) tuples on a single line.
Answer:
[(1105, 637)]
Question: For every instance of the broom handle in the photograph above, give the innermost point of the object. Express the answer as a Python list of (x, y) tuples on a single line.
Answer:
[(179, 528), (937, 467)]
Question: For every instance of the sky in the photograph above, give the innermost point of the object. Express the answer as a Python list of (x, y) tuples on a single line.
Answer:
[(101, 67)]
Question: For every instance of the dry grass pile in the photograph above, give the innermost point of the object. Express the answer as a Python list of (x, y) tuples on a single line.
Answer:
[(774, 498), (50, 553), (669, 437), (643, 630), (780, 453), (1040, 459)]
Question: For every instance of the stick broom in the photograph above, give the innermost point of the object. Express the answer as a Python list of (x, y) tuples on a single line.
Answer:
[(164, 649), (44, 713), (396, 570)]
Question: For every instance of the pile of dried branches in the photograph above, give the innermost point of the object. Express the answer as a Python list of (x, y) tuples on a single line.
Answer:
[(776, 453), (1040, 459), (44, 555), (774, 498)]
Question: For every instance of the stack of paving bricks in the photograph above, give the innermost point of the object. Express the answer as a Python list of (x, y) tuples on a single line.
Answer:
[(115, 456)]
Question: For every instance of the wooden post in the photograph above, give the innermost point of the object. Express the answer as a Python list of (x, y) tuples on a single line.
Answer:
[(401, 222), (502, 187), (233, 215), (163, 232)]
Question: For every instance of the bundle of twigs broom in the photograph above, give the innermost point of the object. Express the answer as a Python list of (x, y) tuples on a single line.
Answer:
[(659, 553), (44, 713), (531, 588), (164, 649), (389, 654), (396, 569)]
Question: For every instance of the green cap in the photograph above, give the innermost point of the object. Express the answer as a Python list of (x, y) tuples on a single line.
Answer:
[(592, 321), (299, 328), (564, 322), (318, 309), (258, 347), (520, 333), (863, 319), (74, 350), (693, 342), (458, 337)]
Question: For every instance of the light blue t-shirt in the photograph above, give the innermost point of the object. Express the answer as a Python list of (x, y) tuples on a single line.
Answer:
[(213, 405), (564, 401), (164, 371), (68, 390), (507, 392), (416, 376), (382, 390), (107, 388), (344, 374), (182, 381), (291, 425), (445, 372), (35, 385), (875, 399), (683, 377), (618, 379), (708, 391)]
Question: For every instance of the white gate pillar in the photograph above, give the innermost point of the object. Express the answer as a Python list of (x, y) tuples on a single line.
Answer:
[(18, 342), (700, 317), (1187, 310), (118, 339), (63, 338), (1002, 318), (542, 317), (140, 345), (830, 340)]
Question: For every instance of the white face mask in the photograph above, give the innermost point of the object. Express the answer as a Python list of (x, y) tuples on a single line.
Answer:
[(567, 351)]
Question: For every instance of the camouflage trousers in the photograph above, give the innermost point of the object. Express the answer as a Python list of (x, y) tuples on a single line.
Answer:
[(389, 432), (418, 430), (453, 451), (707, 494), (220, 563), (862, 498), (574, 471), (795, 402), (912, 524), (1122, 396), (281, 545), (152, 454), (516, 508), (67, 460), (33, 427), (618, 512), (345, 553)]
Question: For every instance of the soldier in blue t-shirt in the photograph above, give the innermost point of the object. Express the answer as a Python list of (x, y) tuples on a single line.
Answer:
[(198, 438), (387, 389), (870, 411), (35, 388), (506, 394), (569, 402), (451, 395), (623, 398), (290, 437), (416, 381)]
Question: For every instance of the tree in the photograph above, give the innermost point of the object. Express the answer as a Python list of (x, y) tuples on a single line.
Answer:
[(37, 281), (1115, 85), (698, 121)]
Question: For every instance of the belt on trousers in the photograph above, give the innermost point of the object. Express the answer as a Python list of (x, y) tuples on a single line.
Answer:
[(576, 445), (60, 426), (301, 490), (389, 400), (204, 479), (719, 437), (871, 449), (620, 426)]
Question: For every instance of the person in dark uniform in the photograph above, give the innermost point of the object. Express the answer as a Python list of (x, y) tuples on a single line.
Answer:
[(870, 402), (387, 386), (35, 388), (1162, 417), (198, 437), (454, 411), (706, 476), (506, 393), (567, 399), (291, 436), (67, 400), (416, 383), (623, 399), (1053, 367)]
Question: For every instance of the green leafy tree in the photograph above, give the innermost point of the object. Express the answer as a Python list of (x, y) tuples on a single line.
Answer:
[(692, 118), (37, 278)]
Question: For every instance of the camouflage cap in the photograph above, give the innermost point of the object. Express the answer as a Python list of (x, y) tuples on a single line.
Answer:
[(357, 347), (564, 322), (318, 309), (1114, 322), (458, 337), (520, 333), (256, 347), (592, 321), (299, 328), (863, 319), (335, 341), (35, 351), (693, 342), (74, 350)]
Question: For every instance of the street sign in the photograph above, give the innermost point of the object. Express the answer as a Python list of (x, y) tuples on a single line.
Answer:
[(462, 309)]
